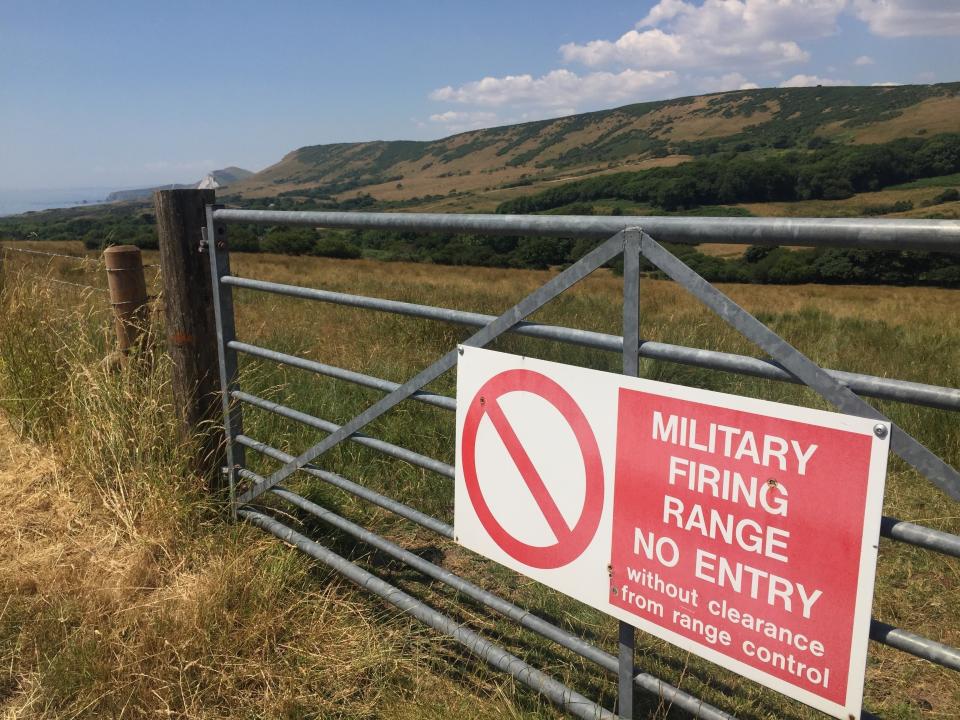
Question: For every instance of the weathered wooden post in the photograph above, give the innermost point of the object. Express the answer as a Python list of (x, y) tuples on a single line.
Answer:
[(191, 330), (128, 293)]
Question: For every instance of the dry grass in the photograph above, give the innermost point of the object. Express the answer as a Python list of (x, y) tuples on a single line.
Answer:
[(854, 206), (936, 115), (124, 593), (211, 590)]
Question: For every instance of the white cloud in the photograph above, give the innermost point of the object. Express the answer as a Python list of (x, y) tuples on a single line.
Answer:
[(729, 81), (909, 18), (697, 46), (717, 33), (885, 84), (811, 81), (666, 10), (454, 116), (456, 121), (559, 89)]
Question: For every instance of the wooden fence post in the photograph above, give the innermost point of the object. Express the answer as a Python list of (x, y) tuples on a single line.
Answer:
[(191, 330), (128, 293)]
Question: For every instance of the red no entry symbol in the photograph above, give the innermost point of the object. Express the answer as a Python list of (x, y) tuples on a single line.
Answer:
[(571, 542)]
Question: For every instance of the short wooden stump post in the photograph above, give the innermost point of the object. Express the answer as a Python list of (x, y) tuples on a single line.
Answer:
[(128, 294)]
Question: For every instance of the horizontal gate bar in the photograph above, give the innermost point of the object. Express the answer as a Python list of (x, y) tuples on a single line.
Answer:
[(921, 647), (556, 285), (883, 633), (402, 453), (440, 401), (892, 528), (523, 617), (889, 234), (933, 467), (924, 537), (371, 496), (870, 385), (558, 693)]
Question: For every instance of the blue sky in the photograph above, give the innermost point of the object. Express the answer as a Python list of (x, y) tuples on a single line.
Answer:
[(125, 94)]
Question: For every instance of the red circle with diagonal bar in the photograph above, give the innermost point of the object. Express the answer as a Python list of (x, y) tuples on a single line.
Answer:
[(571, 542)]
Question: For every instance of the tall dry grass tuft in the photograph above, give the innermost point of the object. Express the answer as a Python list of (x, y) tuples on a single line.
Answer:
[(123, 593), (109, 423)]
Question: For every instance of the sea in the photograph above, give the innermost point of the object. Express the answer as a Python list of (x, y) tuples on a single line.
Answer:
[(14, 202)]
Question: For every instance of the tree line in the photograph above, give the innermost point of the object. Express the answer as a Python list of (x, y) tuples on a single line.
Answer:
[(829, 173), (825, 172)]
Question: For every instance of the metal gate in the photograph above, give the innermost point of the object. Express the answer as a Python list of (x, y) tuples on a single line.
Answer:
[(632, 238)]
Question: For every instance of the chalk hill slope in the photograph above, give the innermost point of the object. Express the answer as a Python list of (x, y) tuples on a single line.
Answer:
[(215, 179)]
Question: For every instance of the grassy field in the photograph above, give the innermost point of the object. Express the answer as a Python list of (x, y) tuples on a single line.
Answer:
[(122, 593), (920, 193)]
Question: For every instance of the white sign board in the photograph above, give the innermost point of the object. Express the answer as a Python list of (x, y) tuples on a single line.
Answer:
[(742, 530)]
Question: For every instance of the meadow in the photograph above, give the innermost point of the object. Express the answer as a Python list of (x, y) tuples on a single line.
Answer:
[(124, 591)]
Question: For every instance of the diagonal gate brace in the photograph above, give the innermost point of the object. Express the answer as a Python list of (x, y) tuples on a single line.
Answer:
[(610, 249), (800, 366)]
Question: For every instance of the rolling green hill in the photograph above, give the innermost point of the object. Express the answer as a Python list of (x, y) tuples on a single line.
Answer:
[(482, 168), (827, 152)]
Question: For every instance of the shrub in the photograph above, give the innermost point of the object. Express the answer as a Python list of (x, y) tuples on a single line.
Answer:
[(336, 248), (948, 195), (289, 241), (886, 209)]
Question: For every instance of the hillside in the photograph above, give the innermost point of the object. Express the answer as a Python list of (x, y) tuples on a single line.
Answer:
[(481, 168), (825, 152)]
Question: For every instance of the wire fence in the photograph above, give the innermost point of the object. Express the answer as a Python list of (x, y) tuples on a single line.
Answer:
[(73, 284), (45, 278), (84, 260)]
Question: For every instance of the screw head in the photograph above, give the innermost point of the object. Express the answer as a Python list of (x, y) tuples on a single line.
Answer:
[(880, 430)]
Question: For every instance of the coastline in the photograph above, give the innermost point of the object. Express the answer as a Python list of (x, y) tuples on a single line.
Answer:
[(19, 202)]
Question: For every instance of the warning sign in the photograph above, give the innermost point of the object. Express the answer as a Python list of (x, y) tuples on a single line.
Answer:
[(570, 541), (743, 530)]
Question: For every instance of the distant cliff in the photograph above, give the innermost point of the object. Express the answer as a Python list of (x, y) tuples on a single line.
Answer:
[(141, 193), (213, 180)]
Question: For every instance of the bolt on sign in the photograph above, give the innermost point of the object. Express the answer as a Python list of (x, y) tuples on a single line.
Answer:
[(742, 530)]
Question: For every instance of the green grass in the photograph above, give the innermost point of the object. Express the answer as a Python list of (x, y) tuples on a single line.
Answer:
[(939, 181)]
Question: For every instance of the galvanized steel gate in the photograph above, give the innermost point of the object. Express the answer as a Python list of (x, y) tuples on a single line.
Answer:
[(633, 238)]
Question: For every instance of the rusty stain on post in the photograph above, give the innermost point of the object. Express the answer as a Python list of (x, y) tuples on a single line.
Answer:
[(128, 293)]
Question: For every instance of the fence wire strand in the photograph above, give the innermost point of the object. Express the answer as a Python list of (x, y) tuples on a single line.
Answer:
[(46, 278), (73, 284), (81, 258)]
